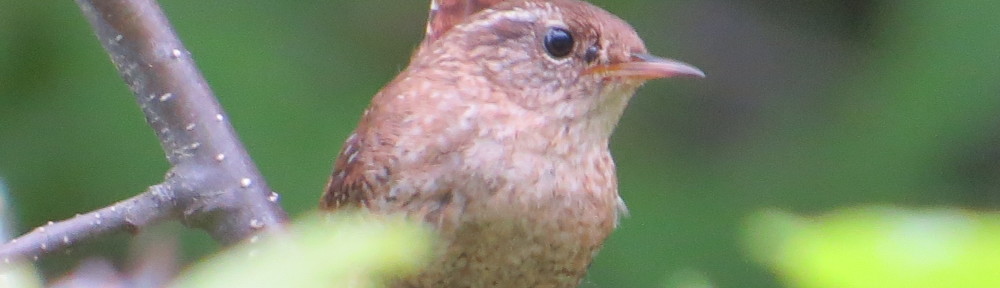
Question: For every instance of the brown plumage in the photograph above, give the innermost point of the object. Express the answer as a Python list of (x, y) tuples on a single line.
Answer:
[(497, 135), (445, 14)]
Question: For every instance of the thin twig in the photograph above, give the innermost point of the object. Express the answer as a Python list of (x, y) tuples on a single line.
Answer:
[(128, 215), (217, 185), (212, 185)]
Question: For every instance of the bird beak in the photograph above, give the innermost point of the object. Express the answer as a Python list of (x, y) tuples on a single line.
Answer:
[(647, 67)]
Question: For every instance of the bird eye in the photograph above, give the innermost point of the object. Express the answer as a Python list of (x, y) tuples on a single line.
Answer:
[(558, 42), (591, 53)]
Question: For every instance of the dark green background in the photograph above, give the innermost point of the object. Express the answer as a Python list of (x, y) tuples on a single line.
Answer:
[(809, 106)]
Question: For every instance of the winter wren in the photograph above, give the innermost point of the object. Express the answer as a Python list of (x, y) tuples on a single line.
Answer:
[(497, 135)]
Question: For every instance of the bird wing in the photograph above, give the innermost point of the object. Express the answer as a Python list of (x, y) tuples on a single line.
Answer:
[(347, 184)]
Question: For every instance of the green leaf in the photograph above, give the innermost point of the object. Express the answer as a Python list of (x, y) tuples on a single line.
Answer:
[(880, 247), (338, 250)]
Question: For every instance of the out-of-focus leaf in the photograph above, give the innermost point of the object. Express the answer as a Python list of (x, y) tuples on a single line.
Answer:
[(880, 247), (336, 251), (19, 276)]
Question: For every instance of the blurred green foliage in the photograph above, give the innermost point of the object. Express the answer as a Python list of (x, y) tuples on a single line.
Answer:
[(368, 251), (810, 106), (20, 275), (881, 247)]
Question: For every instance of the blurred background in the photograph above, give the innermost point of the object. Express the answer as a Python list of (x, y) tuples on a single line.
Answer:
[(812, 110)]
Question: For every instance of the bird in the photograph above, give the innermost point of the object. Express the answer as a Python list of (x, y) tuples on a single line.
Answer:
[(496, 135)]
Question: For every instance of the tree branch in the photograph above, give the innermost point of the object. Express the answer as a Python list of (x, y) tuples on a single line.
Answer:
[(212, 185), (217, 185), (139, 211)]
